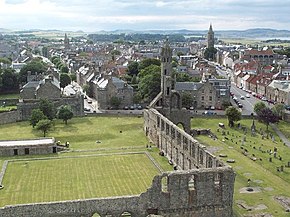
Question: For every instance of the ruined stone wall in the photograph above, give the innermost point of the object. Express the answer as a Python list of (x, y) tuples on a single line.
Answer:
[(77, 104), (179, 147), (194, 193), (9, 117)]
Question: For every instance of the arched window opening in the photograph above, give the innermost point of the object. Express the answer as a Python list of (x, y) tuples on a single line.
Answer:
[(191, 183), (217, 180), (164, 184)]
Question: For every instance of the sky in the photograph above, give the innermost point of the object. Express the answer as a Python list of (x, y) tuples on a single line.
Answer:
[(96, 15)]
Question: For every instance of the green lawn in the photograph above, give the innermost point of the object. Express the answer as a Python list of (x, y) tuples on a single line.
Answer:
[(82, 133), (7, 108), (285, 129), (261, 172), (91, 176), (75, 178), (9, 96)]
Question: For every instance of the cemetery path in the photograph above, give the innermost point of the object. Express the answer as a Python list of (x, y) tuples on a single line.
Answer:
[(280, 134)]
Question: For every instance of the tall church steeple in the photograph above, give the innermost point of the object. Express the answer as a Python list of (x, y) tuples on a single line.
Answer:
[(210, 38), (66, 42)]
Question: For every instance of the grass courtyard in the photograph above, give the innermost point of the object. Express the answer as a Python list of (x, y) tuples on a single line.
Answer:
[(106, 158), (76, 178), (255, 166)]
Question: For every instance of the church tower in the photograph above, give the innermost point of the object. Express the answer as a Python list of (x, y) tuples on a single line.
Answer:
[(66, 42), (210, 38), (167, 82)]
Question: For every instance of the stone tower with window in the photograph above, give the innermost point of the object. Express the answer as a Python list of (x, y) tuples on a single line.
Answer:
[(167, 81), (210, 38)]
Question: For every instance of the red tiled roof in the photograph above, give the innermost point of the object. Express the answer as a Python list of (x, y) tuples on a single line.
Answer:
[(259, 52)]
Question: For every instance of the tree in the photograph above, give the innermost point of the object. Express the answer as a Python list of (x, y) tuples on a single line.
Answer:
[(279, 110), (35, 66), (133, 68), (64, 69), (187, 100), (65, 113), (233, 115), (183, 77), (259, 106), (9, 80), (44, 126), (64, 80), (267, 116), (36, 116), (148, 62), (47, 108), (149, 82), (115, 102)]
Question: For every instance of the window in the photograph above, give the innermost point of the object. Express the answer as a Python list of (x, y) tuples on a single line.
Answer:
[(15, 151), (164, 184), (191, 184), (165, 72), (202, 98), (210, 98), (26, 151), (168, 91)]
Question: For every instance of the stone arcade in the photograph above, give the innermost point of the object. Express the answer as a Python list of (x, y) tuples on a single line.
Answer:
[(202, 186)]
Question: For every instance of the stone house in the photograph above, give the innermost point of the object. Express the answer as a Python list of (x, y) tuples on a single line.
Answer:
[(104, 87), (27, 147), (213, 92), (264, 56), (48, 88), (279, 91)]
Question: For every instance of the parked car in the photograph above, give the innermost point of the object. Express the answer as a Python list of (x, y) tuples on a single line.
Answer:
[(242, 97), (209, 112), (264, 98), (212, 108), (248, 95), (87, 109)]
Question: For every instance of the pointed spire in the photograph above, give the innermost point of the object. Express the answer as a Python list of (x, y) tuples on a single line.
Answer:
[(210, 28)]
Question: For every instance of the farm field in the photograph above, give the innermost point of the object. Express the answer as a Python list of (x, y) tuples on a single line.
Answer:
[(106, 158), (252, 163)]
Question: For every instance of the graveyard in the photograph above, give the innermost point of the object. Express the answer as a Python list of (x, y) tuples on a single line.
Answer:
[(260, 160)]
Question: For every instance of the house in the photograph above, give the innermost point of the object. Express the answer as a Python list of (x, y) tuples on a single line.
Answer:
[(212, 92), (265, 56), (28, 147), (104, 87), (47, 88), (279, 91)]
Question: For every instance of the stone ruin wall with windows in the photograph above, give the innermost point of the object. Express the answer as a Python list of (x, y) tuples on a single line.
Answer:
[(201, 187)]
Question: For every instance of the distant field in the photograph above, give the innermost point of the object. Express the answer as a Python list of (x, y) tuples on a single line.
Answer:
[(262, 173), (85, 177), (76, 178)]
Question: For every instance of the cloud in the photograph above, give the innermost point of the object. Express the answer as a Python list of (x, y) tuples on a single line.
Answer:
[(92, 15)]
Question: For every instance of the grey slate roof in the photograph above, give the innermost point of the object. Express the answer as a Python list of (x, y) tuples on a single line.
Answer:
[(187, 86), (31, 84)]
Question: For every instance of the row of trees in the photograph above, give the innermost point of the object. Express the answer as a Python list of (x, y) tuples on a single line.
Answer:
[(264, 113), (42, 117)]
